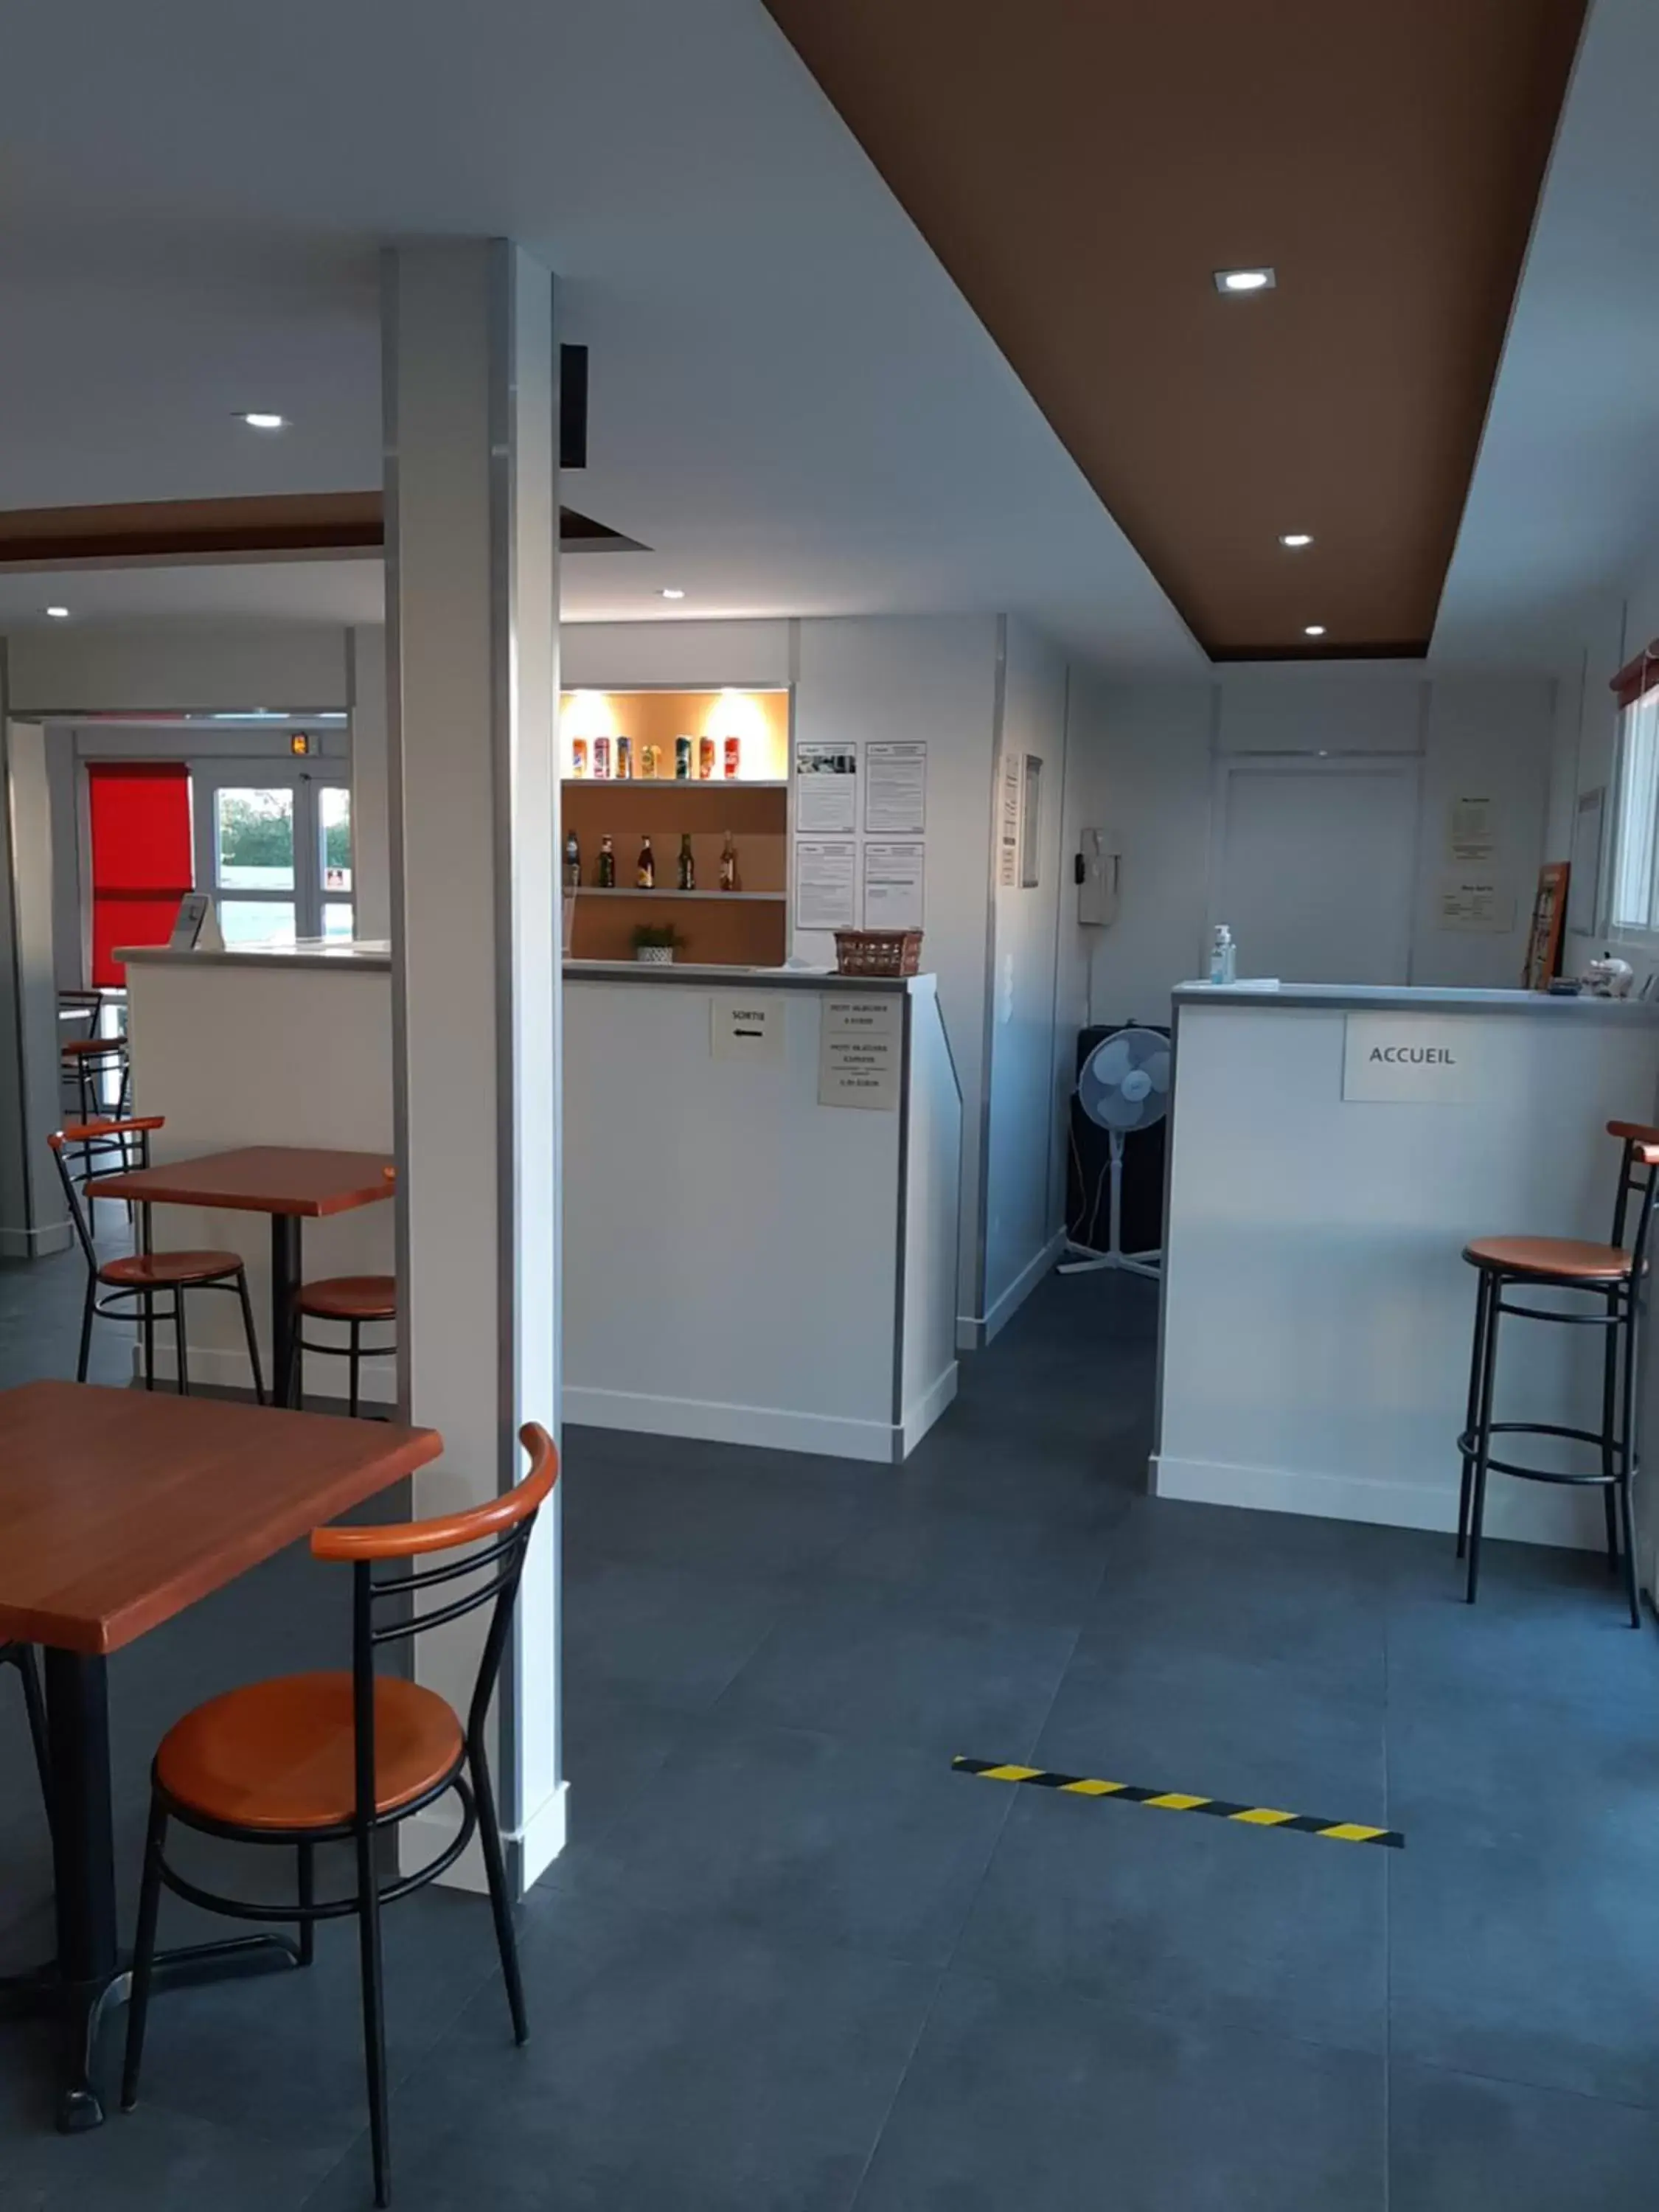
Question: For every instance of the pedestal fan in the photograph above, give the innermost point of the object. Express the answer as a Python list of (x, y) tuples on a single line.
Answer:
[(1123, 1085)]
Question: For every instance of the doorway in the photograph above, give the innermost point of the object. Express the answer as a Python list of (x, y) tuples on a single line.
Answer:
[(1314, 866)]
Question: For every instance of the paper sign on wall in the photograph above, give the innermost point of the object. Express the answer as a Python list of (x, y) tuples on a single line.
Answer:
[(1008, 821), (1417, 1058), (746, 1028), (1471, 831), (893, 878), (896, 789), (826, 884), (826, 787), (861, 1043), (1475, 903)]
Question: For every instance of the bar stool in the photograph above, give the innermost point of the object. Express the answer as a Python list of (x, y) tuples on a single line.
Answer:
[(1611, 1275), (353, 1299), (88, 1064)]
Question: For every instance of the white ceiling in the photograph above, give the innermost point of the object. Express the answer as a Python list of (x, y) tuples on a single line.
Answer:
[(791, 402), (1564, 503)]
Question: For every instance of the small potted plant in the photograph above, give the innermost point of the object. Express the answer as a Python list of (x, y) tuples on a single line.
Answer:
[(656, 942)]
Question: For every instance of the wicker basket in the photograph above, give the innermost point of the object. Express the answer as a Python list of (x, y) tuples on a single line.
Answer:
[(878, 951)]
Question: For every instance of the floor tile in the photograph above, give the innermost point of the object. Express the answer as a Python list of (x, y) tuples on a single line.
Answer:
[(878, 1667), (1149, 1910), (1528, 1964), (1018, 2097), (703, 2069), (1549, 1624), (1462, 2144), (662, 1632), (875, 1846), (964, 1562)]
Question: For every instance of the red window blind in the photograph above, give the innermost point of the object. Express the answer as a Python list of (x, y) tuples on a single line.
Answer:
[(141, 856)]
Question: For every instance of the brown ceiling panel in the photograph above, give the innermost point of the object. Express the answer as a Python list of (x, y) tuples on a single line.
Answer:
[(1082, 168)]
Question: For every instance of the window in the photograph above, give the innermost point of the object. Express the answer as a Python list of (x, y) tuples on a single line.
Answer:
[(253, 880), (274, 850), (141, 857), (1634, 901), (334, 859)]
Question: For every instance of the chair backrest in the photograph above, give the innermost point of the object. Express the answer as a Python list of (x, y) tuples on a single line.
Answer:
[(501, 1529), (1638, 1179), (84, 1006), (88, 1137)]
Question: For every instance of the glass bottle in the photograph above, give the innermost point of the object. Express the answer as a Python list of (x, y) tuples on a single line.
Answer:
[(688, 863), (607, 864), (645, 872), (573, 862), (728, 865)]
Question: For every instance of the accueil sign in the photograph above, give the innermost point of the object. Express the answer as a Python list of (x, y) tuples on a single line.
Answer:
[(1426, 1058)]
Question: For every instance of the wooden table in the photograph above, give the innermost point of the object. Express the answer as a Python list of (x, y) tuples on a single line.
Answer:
[(117, 1510), (291, 1183)]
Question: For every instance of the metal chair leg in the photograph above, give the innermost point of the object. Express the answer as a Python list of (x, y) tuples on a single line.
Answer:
[(87, 1313), (1629, 1462), (1476, 1354), (35, 1705), (352, 1357), (144, 1953), (1483, 1435), (307, 1887), (148, 1325), (178, 1339), (368, 1929), (500, 1904), (253, 1341), (1610, 1439)]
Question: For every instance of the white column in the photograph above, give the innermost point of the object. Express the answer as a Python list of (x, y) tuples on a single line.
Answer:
[(371, 818), (33, 1220), (471, 482)]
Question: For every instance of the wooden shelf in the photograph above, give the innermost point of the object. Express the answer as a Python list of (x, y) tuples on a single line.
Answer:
[(632, 891)]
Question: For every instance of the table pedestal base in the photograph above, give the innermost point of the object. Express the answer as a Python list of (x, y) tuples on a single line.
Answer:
[(81, 2007)]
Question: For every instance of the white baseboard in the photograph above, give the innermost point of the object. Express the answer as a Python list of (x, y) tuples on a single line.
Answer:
[(1525, 1512), (975, 1332), (36, 1243), (714, 1422), (218, 1370), (529, 1852), (922, 1414)]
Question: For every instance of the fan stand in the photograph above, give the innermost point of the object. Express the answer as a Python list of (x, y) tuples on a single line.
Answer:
[(1090, 1262)]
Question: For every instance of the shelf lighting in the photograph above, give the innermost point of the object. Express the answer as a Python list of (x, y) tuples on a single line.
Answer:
[(1314, 629), (671, 591), (1294, 540), (1234, 280)]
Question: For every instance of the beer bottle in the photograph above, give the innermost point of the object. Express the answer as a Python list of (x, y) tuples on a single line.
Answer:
[(688, 863), (607, 864), (728, 865), (645, 873), (573, 863)]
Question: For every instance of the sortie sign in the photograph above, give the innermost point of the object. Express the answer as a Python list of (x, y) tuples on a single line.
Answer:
[(1425, 1059)]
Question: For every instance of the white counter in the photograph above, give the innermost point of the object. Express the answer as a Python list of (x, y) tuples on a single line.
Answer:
[(742, 1262), (1317, 1313)]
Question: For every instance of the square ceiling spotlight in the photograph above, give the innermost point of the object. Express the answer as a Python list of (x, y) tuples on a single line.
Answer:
[(1231, 283)]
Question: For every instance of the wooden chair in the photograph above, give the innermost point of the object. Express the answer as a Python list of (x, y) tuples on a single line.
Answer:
[(314, 1759), (352, 1299), (135, 1279), (21, 1656)]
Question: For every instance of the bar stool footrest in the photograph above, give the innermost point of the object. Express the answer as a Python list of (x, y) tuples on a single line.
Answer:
[(1468, 1442)]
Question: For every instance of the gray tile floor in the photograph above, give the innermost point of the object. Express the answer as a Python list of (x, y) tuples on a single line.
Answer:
[(791, 1960)]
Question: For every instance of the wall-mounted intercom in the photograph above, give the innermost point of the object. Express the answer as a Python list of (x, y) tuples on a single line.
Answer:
[(1095, 868)]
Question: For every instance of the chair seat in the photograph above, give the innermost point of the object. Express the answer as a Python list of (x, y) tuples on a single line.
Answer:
[(280, 1755), (155, 1270), (89, 1048), (350, 1297), (1567, 1257)]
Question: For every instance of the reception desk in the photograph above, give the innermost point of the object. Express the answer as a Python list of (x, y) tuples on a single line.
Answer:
[(759, 1187), (1332, 1150)]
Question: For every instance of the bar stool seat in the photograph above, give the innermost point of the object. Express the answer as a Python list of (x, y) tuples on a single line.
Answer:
[(155, 1270), (350, 1297), (1559, 1259)]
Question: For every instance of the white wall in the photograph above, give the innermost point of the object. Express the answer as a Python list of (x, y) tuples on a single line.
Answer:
[(177, 668), (1023, 1206), (1143, 768)]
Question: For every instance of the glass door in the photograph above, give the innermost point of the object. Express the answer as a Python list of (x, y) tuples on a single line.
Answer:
[(334, 860), (274, 847)]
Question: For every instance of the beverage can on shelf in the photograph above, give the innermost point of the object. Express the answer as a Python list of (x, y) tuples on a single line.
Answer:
[(602, 757), (681, 758), (579, 757), (624, 759), (705, 759), (733, 757)]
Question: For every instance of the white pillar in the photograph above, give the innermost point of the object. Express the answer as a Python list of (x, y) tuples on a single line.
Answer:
[(371, 818), (471, 483), (32, 1220)]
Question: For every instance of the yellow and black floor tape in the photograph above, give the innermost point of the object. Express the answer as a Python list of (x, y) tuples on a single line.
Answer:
[(1177, 1801)]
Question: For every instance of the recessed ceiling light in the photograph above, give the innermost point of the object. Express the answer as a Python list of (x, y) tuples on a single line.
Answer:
[(259, 420), (668, 592), (1245, 280), (59, 614), (1314, 629), (1295, 539)]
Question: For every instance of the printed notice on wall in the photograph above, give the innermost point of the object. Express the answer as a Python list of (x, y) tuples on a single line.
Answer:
[(1008, 821), (826, 883), (1471, 833), (893, 876), (826, 788), (860, 1042), (1420, 1059), (895, 790), (1478, 904), (749, 1028)]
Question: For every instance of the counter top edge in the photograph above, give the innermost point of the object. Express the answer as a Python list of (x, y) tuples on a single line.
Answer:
[(1406, 999)]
